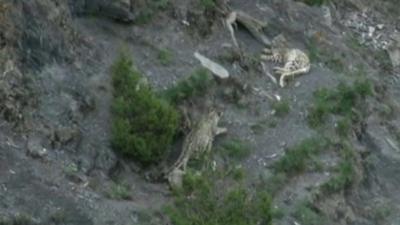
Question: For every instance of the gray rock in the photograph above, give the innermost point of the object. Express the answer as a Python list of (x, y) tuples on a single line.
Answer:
[(65, 135), (35, 148), (394, 55)]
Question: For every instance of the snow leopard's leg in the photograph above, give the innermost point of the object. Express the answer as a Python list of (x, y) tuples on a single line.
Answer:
[(292, 73), (280, 70)]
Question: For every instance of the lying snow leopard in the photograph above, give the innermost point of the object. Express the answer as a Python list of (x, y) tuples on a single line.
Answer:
[(295, 62)]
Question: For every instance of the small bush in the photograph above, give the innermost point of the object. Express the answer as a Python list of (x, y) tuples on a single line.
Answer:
[(143, 125), (209, 204), (298, 157), (18, 219), (384, 60), (235, 149), (305, 214), (58, 217), (23, 219), (150, 9), (258, 128), (343, 127), (208, 4), (314, 2), (344, 100), (71, 169), (340, 182), (196, 85), (275, 183), (281, 108), (328, 57), (165, 57), (119, 191), (346, 173)]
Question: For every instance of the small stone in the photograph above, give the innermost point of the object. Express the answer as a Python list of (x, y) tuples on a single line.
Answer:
[(371, 31), (214, 67), (297, 84), (35, 148), (380, 26), (327, 15)]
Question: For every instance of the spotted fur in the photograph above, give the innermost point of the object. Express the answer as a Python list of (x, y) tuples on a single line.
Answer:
[(294, 62)]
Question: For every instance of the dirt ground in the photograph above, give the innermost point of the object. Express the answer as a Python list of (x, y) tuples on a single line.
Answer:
[(57, 98)]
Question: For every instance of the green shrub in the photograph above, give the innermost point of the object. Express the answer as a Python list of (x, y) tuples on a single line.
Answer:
[(58, 217), (143, 126), (328, 57), (345, 170), (210, 204), (315, 2), (344, 101), (305, 214), (235, 149), (208, 4), (343, 127), (298, 157), (195, 85), (150, 9), (281, 108), (342, 181), (274, 183), (119, 191), (23, 219), (165, 56)]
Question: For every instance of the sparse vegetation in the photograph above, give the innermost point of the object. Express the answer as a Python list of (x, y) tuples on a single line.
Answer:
[(18, 219), (143, 125), (238, 173), (345, 101), (235, 149), (71, 169), (343, 127), (195, 85), (298, 157), (329, 58), (315, 2), (260, 126), (119, 191), (274, 183), (381, 211), (165, 56), (208, 4), (383, 59), (281, 108), (345, 173), (150, 9), (58, 217), (305, 214), (210, 204)]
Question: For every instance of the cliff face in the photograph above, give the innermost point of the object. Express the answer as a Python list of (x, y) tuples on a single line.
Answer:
[(56, 163)]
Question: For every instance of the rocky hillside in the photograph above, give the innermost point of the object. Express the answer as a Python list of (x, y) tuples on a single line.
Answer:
[(323, 149)]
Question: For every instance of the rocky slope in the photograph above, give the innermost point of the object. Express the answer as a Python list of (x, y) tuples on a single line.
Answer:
[(56, 163)]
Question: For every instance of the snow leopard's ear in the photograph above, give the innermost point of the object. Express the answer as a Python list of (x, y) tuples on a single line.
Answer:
[(279, 41)]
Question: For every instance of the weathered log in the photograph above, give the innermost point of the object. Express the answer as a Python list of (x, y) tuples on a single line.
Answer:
[(214, 67)]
